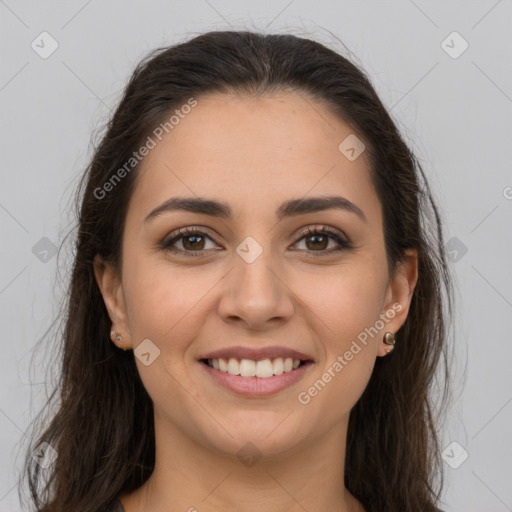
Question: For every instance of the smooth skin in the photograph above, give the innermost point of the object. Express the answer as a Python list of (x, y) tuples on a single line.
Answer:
[(253, 154)]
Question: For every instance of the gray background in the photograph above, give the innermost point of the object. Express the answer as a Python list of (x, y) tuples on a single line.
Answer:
[(454, 112)]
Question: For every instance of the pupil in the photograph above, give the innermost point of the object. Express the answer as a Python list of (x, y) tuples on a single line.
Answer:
[(196, 240), (315, 244)]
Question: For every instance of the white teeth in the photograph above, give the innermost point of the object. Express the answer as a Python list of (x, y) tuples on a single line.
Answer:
[(223, 365), (264, 369), (233, 367), (278, 366), (249, 368)]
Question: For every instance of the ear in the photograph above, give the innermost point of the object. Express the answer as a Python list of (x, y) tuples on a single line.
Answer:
[(109, 283), (398, 296)]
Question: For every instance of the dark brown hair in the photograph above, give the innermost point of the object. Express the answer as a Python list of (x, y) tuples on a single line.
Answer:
[(102, 425)]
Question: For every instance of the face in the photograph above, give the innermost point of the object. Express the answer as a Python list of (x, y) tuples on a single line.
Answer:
[(261, 276)]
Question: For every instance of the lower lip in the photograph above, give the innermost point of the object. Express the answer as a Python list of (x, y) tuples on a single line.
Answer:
[(254, 386)]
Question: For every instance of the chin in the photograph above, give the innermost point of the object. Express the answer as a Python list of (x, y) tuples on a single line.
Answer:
[(257, 437)]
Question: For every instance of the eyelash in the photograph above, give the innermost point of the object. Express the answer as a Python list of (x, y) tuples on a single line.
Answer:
[(167, 244)]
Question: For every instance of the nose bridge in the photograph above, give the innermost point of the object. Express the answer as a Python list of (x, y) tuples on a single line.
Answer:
[(253, 265), (255, 292)]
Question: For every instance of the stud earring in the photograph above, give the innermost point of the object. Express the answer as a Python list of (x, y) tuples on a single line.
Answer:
[(117, 337), (389, 339)]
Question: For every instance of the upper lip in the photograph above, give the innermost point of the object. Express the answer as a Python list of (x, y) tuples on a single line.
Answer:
[(256, 354)]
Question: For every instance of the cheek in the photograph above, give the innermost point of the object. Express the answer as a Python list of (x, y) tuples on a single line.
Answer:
[(166, 303), (347, 300), (350, 354), (349, 303), (339, 383), (353, 308), (340, 387)]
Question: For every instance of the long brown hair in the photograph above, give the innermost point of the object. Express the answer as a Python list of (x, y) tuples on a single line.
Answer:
[(101, 425)]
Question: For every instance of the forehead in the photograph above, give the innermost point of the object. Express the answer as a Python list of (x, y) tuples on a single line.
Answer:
[(253, 153)]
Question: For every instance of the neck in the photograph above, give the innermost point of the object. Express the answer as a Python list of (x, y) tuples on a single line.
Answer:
[(191, 477)]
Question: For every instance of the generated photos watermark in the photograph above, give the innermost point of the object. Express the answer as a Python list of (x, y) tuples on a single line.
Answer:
[(151, 143), (304, 397)]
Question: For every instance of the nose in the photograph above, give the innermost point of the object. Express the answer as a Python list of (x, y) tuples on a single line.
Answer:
[(256, 293)]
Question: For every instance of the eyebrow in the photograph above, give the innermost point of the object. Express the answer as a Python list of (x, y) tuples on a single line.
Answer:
[(290, 208)]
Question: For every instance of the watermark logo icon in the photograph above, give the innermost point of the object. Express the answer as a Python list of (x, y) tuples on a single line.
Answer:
[(454, 455), (249, 455), (249, 249), (351, 147), (454, 45), (44, 45), (44, 455), (456, 249), (146, 352), (44, 250)]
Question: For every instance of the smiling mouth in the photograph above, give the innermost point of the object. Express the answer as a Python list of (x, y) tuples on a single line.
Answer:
[(263, 369)]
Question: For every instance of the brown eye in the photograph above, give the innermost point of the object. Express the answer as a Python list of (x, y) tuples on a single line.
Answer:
[(191, 240), (317, 242), (318, 239)]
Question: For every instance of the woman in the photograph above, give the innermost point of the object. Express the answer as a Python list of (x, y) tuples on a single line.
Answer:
[(256, 310)]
